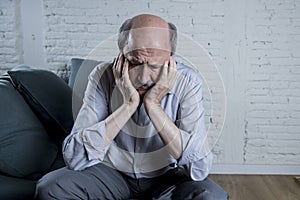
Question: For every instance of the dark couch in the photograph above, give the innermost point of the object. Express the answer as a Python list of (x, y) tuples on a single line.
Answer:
[(36, 115)]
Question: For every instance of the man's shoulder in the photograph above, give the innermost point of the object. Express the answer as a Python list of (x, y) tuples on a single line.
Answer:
[(189, 73), (103, 69)]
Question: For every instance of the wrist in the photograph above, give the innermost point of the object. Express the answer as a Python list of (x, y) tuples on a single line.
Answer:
[(151, 104), (155, 95), (151, 99), (131, 107)]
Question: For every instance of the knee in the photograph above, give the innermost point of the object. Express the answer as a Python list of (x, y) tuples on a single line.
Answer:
[(43, 188), (223, 195), (49, 186), (207, 190), (208, 194), (213, 191)]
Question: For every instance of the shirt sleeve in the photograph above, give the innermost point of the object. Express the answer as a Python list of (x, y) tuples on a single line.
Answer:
[(196, 158), (84, 146)]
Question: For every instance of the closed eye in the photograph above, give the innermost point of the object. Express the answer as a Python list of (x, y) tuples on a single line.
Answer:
[(133, 64)]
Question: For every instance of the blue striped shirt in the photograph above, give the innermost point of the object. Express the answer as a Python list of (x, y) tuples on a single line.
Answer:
[(138, 150)]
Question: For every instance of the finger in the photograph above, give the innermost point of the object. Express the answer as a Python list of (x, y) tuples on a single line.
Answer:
[(173, 66), (175, 72), (171, 72), (119, 65), (115, 72), (116, 61), (122, 61), (173, 63), (165, 68), (125, 69), (125, 73), (170, 65), (127, 80)]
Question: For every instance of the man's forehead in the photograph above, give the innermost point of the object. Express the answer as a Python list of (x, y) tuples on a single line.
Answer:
[(148, 38), (148, 52), (151, 56), (149, 31)]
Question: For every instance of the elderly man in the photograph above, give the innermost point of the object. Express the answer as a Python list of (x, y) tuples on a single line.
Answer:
[(140, 131)]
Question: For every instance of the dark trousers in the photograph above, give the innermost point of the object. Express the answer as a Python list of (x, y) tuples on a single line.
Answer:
[(102, 182)]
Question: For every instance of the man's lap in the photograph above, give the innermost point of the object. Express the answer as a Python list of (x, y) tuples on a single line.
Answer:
[(102, 182), (97, 182)]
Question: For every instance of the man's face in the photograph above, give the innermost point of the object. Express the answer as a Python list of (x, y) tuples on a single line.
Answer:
[(145, 66), (147, 52)]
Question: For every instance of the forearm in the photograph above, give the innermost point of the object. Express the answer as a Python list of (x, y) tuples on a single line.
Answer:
[(117, 120), (90, 138), (168, 131)]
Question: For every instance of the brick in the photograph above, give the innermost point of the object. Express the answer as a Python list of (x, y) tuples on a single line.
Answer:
[(83, 20)]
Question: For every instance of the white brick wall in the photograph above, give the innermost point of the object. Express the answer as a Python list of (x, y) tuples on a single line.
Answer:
[(255, 44), (272, 132), (10, 42)]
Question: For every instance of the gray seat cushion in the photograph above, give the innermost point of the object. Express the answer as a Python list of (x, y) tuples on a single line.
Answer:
[(26, 150)]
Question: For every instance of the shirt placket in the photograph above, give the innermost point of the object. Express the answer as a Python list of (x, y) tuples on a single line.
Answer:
[(141, 121)]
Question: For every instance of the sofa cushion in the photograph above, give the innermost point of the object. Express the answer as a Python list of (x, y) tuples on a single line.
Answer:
[(80, 70), (84, 65), (26, 150), (49, 97)]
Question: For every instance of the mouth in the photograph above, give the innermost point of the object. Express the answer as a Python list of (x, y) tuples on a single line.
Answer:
[(142, 90)]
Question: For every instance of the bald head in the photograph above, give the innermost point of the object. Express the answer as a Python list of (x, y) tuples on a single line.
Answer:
[(146, 20), (147, 30)]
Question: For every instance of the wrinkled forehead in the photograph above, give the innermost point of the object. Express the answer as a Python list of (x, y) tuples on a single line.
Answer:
[(149, 55), (148, 38)]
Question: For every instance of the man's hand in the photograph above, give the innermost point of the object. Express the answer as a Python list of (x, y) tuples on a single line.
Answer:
[(129, 93), (131, 99), (165, 83), (168, 131)]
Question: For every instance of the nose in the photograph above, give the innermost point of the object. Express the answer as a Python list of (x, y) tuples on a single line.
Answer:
[(144, 74)]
